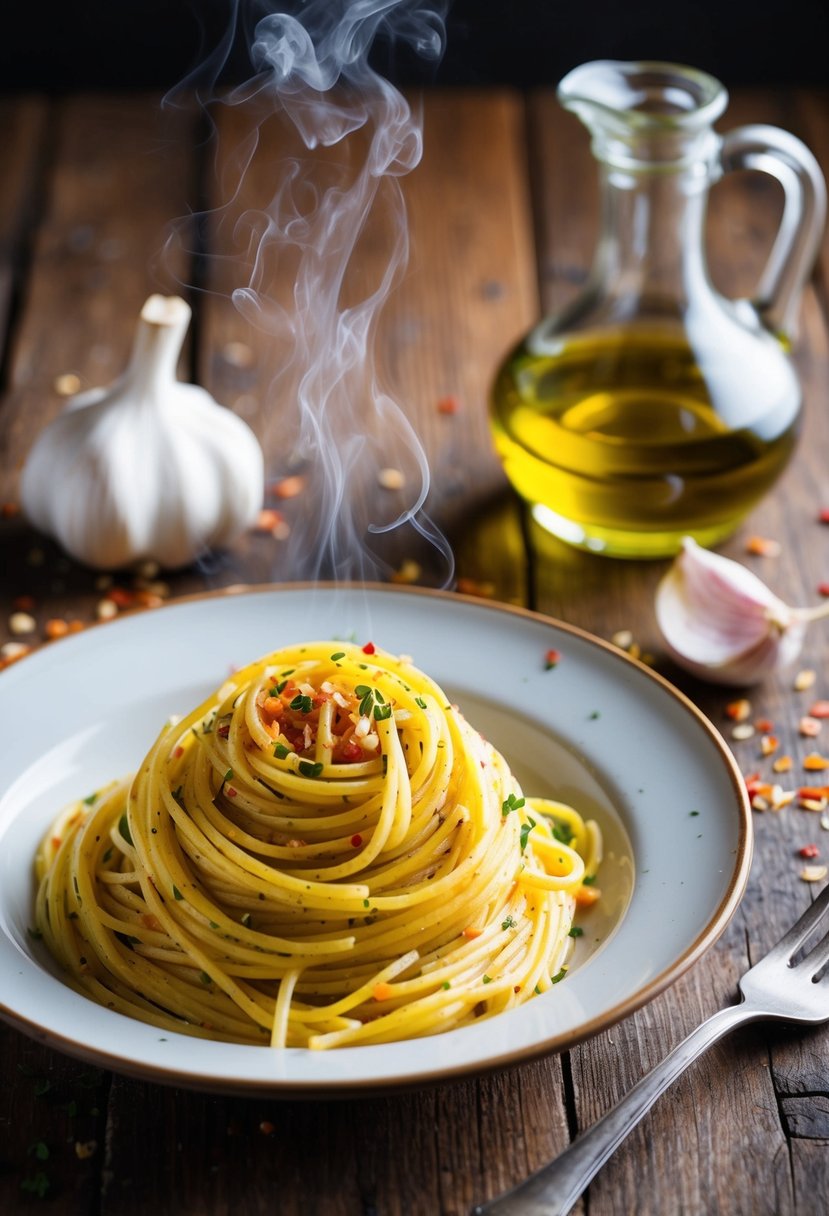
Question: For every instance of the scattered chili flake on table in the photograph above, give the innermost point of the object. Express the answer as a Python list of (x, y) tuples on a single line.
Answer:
[(267, 520), (768, 745), (391, 479), (823, 516), (809, 727), (288, 487), (819, 709), (823, 589), (57, 627), (409, 572), (764, 725), (738, 711), (450, 404), (266, 1127), (804, 679), (552, 659), (783, 764), (471, 586), (763, 546), (9, 510), (815, 763), (809, 852)]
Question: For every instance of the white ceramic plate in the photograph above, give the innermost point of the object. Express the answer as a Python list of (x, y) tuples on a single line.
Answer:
[(597, 730)]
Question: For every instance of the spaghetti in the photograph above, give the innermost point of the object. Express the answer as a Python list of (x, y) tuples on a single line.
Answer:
[(324, 853)]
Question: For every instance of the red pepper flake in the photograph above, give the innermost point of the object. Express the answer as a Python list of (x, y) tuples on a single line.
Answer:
[(764, 725), (552, 659), (820, 709), (57, 627), (823, 517), (738, 711), (754, 784), (763, 546), (471, 932), (24, 603), (809, 727), (382, 992), (266, 1127), (178, 750), (9, 509), (815, 763), (823, 589), (472, 586), (268, 520), (356, 840), (288, 487), (369, 648), (230, 791), (121, 596), (809, 851), (450, 404), (768, 745)]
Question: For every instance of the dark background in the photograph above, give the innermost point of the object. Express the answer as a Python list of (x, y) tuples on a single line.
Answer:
[(108, 44)]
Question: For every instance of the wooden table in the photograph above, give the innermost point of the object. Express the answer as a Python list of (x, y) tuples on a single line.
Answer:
[(503, 217)]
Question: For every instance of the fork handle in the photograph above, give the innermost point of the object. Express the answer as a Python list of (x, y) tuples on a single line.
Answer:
[(553, 1189)]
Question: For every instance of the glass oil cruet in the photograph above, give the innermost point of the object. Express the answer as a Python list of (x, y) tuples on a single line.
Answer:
[(653, 407)]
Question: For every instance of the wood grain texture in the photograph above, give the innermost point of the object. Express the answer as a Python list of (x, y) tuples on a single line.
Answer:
[(502, 212)]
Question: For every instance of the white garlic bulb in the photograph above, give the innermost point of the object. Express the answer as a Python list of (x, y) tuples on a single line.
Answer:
[(148, 468), (722, 623)]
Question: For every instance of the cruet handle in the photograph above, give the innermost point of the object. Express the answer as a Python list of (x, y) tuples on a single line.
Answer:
[(777, 152)]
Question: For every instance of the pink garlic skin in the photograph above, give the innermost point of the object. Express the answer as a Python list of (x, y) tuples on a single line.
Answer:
[(721, 622)]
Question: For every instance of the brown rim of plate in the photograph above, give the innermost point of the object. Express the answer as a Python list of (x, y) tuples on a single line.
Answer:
[(508, 1059)]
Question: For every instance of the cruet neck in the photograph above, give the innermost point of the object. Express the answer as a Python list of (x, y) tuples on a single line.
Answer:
[(646, 115)]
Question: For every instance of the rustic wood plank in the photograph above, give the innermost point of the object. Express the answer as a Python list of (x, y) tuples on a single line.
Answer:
[(23, 123)]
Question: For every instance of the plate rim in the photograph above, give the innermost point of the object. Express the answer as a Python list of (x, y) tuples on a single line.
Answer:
[(417, 1079)]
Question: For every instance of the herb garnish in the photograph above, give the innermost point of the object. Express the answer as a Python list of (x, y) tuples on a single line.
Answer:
[(526, 828), (512, 804)]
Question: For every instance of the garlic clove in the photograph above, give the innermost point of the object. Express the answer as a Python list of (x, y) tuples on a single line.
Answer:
[(149, 468), (721, 622)]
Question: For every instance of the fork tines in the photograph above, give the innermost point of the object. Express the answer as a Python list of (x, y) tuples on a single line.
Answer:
[(801, 929)]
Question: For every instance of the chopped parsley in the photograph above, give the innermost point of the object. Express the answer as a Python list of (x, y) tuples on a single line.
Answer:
[(302, 703), (559, 976), (509, 923), (310, 768), (281, 751), (576, 931), (124, 828), (420, 703), (512, 804), (588, 880), (562, 832), (177, 894), (340, 654), (526, 828)]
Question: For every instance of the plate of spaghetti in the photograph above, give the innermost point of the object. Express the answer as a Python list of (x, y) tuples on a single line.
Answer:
[(317, 839)]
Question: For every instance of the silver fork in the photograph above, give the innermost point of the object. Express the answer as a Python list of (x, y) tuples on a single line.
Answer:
[(776, 987)]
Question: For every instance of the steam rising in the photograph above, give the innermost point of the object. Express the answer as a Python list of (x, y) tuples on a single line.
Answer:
[(302, 262)]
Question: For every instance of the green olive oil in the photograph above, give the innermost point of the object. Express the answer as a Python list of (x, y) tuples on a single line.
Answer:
[(618, 446)]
